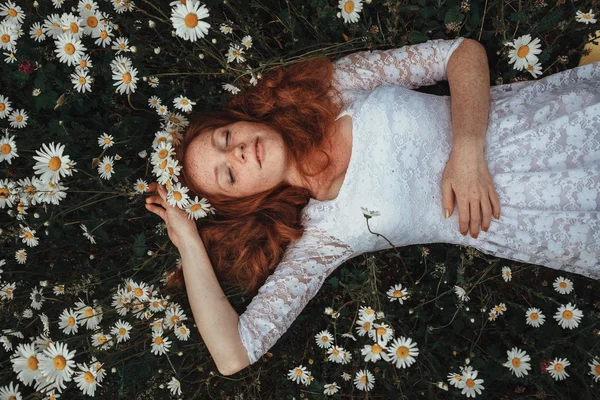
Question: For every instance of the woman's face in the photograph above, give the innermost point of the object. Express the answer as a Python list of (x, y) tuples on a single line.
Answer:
[(224, 160)]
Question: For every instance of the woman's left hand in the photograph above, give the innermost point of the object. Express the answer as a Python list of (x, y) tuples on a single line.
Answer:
[(467, 175)]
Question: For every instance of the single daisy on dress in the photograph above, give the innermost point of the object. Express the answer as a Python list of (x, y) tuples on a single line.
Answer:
[(126, 79), (595, 369), (183, 103), (461, 293), (350, 10), (331, 388), (364, 326), (396, 292), (335, 354), (298, 374), (518, 362), (182, 332), (364, 380), (471, 385), (10, 392), (5, 107), (81, 81), (153, 81), (86, 379), (402, 352), (21, 256), (587, 18), (18, 119), (8, 149), (37, 32), (231, 88), (51, 163), (374, 352), (247, 41), (563, 285), (197, 209), (141, 186), (56, 364), (324, 339), (178, 197), (154, 102), (524, 52), (535, 317), (557, 368), (68, 322), (174, 387), (235, 53), (105, 141), (121, 330), (568, 316), (13, 13), (506, 273), (106, 167), (59, 289), (25, 364), (160, 344), (69, 49), (186, 20)]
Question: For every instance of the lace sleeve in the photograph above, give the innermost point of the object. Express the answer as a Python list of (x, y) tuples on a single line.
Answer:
[(413, 66), (296, 280)]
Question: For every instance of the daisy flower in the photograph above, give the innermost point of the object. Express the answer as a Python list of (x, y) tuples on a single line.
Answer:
[(162, 110), (230, 88), (101, 340), (366, 313), (186, 20), (182, 332), (88, 316), (364, 380), (350, 10), (568, 316), (91, 21), (335, 354), (178, 197), (8, 36), (105, 168), (595, 369), (21, 256), (153, 81), (7, 193), (160, 344), (225, 29), (104, 36), (500, 308), (68, 322), (247, 41), (81, 81), (197, 209), (10, 57), (174, 386), (5, 107), (86, 5), (86, 379), (36, 92), (534, 69), (518, 362), (471, 385), (69, 49), (85, 63), (52, 193), (346, 376), (381, 333), (121, 45), (56, 364), (18, 119), (51, 163), (105, 141), (28, 236), (177, 119), (126, 79), (396, 292), (8, 149), (121, 330), (154, 102), (563, 285), (25, 364), (364, 326), (587, 18), (100, 372), (59, 289), (324, 339), (493, 315), (10, 392), (461, 293), (535, 317), (235, 53), (141, 186), (13, 13), (121, 61), (524, 52), (331, 388), (506, 273), (7, 291), (374, 352), (557, 368), (455, 380), (402, 352), (173, 317), (37, 32), (52, 25), (170, 172), (183, 103), (72, 23), (298, 374)]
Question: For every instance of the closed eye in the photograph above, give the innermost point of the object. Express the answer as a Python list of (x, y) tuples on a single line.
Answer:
[(227, 136)]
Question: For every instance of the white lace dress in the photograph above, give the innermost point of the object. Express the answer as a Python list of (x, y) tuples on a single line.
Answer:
[(543, 152)]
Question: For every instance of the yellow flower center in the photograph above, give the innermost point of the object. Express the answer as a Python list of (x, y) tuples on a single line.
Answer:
[(516, 362), (177, 196), (69, 49), (182, 330), (559, 367), (27, 235), (127, 77), (523, 51), (597, 369), (12, 12), (381, 331), (325, 338), (534, 316), (195, 207), (163, 153), (138, 291), (88, 377), (163, 164), (102, 339), (103, 35), (185, 102), (32, 363), (83, 63), (470, 382), (38, 32), (88, 312), (82, 80), (397, 293), (349, 6), (335, 352), (122, 331), (59, 363), (175, 120), (298, 372), (5, 38), (174, 319), (158, 340), (71, 321), (9, 291), (402, 352), (567, 314), (562, 285), (92, 21), (19, 118), (191, 20), (73, 27), (107, 140), (2, 106), (363, 379), (6, 148), (376, 349)]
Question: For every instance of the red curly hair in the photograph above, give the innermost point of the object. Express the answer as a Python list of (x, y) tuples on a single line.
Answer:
[(247, 237)]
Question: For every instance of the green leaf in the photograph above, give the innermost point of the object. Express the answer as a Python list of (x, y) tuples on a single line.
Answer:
[(139, 245)]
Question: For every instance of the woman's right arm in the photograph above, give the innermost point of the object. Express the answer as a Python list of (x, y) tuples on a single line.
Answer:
[(215, 318)]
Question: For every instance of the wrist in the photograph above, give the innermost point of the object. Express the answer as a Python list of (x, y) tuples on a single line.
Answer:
[(191, 245), (468, 145)]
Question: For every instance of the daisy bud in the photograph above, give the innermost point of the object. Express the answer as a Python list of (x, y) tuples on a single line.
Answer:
[(133, 49), (113, 370), (180, 353), (410, 311), (368, 1), (467, 361), (47, 223), (151, 23), (167, 297), (222, 71), (473, 320), (173, 33), (46, 231), (150, 252), (36, 4), (160, 371), (60, 123), (201, 56), (1, 231), (259, 76), (116, 27), (43, 283), (36, 215), (92, 256), (214, 41), (145, 79), (467, 308), (157, 50), (161, 386)]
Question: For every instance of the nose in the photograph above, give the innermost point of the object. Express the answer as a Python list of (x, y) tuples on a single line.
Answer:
[(240, 153)]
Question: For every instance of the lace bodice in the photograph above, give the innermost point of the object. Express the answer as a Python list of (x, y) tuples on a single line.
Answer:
[(542, 147)]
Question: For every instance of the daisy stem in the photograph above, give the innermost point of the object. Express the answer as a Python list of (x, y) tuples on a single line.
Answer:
[(166, 20)]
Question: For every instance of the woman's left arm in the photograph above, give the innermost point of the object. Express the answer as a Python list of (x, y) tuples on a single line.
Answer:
[(466, 173)]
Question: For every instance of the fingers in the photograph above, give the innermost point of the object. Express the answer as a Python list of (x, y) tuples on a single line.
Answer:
[(474, 206), (495, 203), (161, 212), (486, 210), (463, 215)]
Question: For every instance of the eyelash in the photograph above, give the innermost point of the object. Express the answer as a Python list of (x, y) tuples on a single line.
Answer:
[(226, 143)]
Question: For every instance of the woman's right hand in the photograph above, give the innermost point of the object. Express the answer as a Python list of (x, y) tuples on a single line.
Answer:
[(179, 226)]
